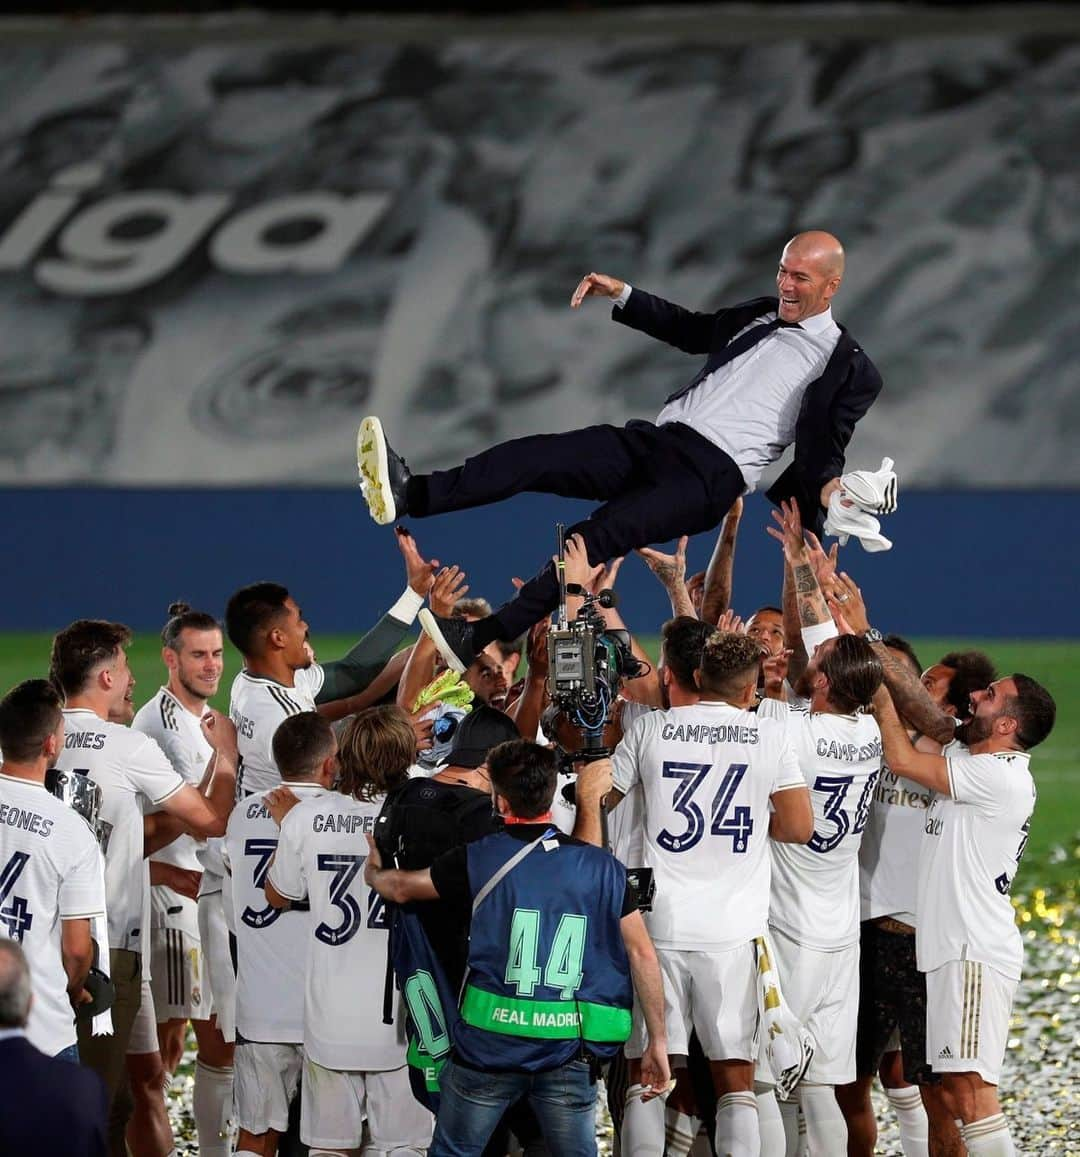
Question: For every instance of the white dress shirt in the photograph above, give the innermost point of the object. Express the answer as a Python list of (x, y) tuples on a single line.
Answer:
[(750, 406)]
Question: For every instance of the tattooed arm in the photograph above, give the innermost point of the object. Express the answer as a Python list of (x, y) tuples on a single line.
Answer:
[(717, 595), (809, 601)]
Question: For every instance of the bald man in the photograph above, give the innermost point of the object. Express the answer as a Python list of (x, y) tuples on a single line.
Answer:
[(778, 370)]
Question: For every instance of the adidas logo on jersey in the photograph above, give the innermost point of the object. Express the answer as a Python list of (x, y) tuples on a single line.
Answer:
[(945, 1054)]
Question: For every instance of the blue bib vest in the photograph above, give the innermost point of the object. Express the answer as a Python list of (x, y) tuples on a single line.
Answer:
[(548, 972)]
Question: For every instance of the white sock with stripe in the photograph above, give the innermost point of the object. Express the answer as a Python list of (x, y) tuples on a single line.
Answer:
[(642, 1126), (989, 1137), (770, 1123), (680, 1131), (737, 1131), (211, 1106), (911, 1117)]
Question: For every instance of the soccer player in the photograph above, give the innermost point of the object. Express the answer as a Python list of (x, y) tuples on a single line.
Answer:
[(279, 677), (179, 974), (51, 882), (814, 912), (89, 665), (717, 782), (354, 1064), (271, 953), (966, 939)]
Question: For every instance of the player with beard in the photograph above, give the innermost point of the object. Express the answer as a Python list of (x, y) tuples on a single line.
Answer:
[(193, 654), (89, 665), (814, 911), (892, 991), (976, 829)]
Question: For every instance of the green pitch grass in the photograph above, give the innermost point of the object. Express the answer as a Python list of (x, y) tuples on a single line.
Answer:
[(1048, 861)]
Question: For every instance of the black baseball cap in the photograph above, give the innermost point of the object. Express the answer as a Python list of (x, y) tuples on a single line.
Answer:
[(481, 730)]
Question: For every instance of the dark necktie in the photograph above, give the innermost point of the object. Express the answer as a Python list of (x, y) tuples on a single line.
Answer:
[(732, 350)]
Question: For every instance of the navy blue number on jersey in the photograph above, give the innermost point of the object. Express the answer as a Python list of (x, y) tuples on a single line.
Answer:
[(344, 869), (16, 916), (263, 852), (835, 789), (738, 825), (1004, 882)]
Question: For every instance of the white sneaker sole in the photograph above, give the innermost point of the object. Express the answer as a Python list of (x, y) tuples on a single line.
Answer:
[(372, 466), (431, 629)]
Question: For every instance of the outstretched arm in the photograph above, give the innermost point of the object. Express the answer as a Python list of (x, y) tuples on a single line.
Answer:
[(903, 758), (670, 569), (718, 576), (355, 670)]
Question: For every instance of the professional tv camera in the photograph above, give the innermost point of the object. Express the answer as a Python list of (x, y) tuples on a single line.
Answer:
[(587, 663)]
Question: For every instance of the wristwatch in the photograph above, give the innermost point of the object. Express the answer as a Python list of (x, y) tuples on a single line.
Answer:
[(872, 635)]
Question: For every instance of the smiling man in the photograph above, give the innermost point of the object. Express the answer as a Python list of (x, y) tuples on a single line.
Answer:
[(778, 370)]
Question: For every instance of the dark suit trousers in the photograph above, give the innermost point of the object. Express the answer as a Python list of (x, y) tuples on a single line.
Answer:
[(655, 482)]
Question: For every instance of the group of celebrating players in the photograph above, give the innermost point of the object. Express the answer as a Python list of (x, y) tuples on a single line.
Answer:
[(814, 807)]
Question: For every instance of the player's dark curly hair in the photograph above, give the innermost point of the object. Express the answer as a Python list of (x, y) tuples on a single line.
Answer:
[(972, 671), (729, 662), (524, 773)]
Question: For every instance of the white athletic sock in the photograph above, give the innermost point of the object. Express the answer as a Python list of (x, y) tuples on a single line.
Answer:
[(794, 1130), (680, 1131), (989, 1137), (826, 1129), (211, 1106), (911, 1117), (642, 1126), (737, 1131), (770, 1123)]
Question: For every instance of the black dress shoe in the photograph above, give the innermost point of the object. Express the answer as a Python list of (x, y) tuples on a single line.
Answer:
[(384, 476), (453, 639)]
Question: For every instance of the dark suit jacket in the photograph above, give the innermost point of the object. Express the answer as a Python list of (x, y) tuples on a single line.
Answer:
[(51, 1108), (830, 407)]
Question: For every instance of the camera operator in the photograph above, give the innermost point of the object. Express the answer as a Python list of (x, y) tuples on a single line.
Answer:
[(555, 935)]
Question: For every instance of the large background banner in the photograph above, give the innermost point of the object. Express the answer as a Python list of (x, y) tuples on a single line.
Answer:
[(216, 257)]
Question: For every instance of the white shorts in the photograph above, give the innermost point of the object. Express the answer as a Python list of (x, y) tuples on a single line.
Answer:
[(214, 935), (822, 991), (968, 1006), (179, 976), (333, 1106), (144, 1038), (265, 1077), (712, 992)]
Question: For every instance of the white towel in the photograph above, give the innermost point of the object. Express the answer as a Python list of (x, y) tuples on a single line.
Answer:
[(873, 491), (843, 521)]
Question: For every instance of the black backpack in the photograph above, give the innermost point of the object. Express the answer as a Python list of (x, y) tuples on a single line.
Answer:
[(424, 818)]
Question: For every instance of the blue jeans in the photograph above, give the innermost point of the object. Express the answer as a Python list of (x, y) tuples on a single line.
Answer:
[(71, 1053), (472, 1104)]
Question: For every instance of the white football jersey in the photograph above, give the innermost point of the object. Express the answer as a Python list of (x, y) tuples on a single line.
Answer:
[(177, 732), (271, 943), (815, 886), (973, 841), (890, 847), (134, 776), (257, 706), (707, 772), (321, 856), (50, 871), (626, 821)]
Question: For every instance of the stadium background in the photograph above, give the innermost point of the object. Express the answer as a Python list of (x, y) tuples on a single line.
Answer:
[(223, 242)]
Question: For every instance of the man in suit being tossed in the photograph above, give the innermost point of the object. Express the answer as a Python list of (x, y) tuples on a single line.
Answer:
[(778, 370)]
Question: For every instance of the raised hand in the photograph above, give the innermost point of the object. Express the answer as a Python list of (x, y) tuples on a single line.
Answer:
[(824, 562), (790, 532), (670, 569), (605, 580), (449, 586), (848, 608), (596, 285), (538, 649), (578, 568), (419, 574), (730, 621)]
